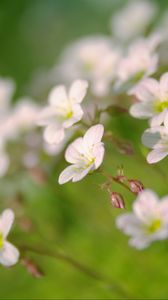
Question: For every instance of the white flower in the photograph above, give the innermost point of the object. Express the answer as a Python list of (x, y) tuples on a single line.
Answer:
[(148, 222), (156, 138), (94, 58), (85, 155), (63, 111), (140, 61), (133, 19), (7, 87), (9, 255), (153, 100)]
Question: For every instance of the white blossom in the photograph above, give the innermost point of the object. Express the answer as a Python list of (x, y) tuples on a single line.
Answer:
[(94, 58), (141, 61), (147, 222), (84, 154), (63, 111), (133, 19), (9, 254), (156, 138), (153, 100)]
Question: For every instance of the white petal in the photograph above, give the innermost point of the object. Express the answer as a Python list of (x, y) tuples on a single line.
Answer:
[(146, 90), (142, 110), (129, 224), (146, 206), (158, 119), (74, 151), (67, 174), (156, 155), (9, 255), (53, 134), (58, 96), (98, 153), (152, 136), (166, 120), (164, 86), (78, 91), (6, 221), (93, 135), (82, 173), (139, 242), (46, 116), (163, 208)]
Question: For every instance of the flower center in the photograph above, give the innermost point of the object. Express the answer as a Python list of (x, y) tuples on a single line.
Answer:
[(69, 114), (160, 106), (1, 240), (154, 226)]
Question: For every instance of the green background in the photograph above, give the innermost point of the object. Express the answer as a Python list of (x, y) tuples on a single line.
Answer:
[(76, 219)]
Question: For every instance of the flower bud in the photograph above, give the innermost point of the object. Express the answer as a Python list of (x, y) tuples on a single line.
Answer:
[(32, 267), (135, 186), (117, 200)]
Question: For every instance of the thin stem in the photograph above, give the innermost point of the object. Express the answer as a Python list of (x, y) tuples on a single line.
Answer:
[(77, 265)]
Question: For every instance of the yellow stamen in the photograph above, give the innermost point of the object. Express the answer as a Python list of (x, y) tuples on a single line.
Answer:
[(160, 106), (154, 226), (1, 240)]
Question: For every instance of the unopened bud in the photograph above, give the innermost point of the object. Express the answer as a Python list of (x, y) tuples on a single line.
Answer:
[(117, 200), (32, 267), (135, 186)]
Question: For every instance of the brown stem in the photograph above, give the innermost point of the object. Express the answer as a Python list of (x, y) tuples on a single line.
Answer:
[(77, 265)]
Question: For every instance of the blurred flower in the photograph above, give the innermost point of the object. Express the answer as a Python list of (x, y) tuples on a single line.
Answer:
[(4, 160), (63, 111), (140, 61), (148, 221), (9, 255), (7, 88), (133, 19), (153, 97), (94, 58), (85, 154), (117, 200), (156, 138)]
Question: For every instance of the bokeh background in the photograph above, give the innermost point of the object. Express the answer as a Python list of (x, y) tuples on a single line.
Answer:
[(76, 219)]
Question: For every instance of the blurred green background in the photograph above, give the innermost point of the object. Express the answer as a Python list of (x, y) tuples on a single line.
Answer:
[(77, 218)]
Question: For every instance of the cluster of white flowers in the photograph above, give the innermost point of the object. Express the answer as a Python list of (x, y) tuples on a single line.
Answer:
[(95, 68)]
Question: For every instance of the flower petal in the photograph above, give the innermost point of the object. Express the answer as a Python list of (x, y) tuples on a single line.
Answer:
[(93, 135), (142, 110), (6, 221), (78, 91), (129, 224), (74, 151), (156, 155), (4, 163), (58, 96), (158, 119), (164, 86), (146, 206), (67, 174), (54, 134), (77, 116), (9, 254), (98, 153), (152, 136), (146, 90), (139, 242)]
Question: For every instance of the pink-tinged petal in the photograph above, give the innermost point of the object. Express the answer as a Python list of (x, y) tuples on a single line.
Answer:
[(58, 96), (46, 116), (146, 206), (163, 208), (93, 135), (146, 90), (156, 155), (78, 91), (6, 221), (129, 224), (9, 254), (54, 134), (140, 242), (142, 110), (164, 86), (98, 153), (158, 119), (74, 151)]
